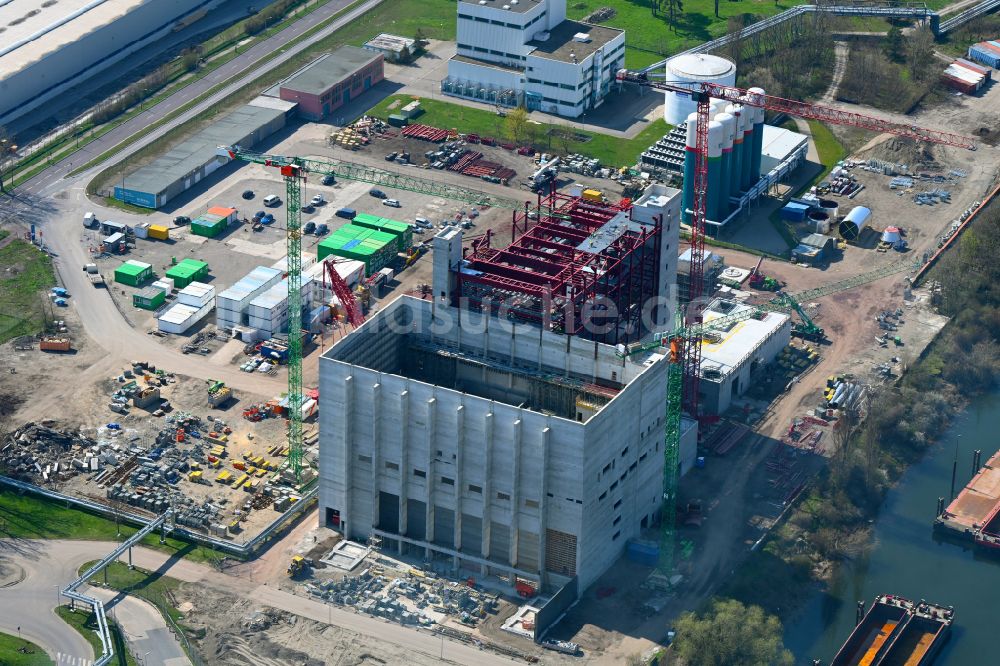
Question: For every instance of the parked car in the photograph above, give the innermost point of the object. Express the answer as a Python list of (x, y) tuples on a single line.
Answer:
[(347, 213), (416, 229), (248, 194), (377, 193), (394, 203), (423, 222), (272, 200), (322, 229), (309, 228), (259, 214), (181, 220), (267, 219), (328, 179), (308, 208), (391, 156), (317, 200)]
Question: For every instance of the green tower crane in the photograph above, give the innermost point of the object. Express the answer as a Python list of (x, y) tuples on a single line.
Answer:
[(294, 174)]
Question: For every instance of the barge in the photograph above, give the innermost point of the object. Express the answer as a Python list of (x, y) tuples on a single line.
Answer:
[(896, 632)]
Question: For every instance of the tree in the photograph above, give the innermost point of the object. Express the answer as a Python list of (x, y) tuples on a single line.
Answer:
[(895, 47), (517, 124), (717, 9), (921, 53), (730, 634)]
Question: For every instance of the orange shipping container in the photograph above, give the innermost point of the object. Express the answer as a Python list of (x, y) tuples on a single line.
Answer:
[(54, 344)]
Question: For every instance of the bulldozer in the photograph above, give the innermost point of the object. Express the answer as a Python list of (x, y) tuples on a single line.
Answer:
[(297, 566)]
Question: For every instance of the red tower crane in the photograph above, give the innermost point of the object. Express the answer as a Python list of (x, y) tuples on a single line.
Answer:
[(691, 358)]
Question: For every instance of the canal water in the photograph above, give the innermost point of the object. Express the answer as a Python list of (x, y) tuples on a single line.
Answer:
[(907, 560)]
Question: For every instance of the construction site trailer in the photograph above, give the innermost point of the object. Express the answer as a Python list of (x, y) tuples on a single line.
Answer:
[(133, 273), (187, 271), (149, 298), (401, 230)]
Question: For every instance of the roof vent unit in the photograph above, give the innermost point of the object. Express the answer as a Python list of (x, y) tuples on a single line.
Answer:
[(581, 37)]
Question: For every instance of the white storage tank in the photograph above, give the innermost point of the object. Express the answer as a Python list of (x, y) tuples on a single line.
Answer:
[(855, 223), (689, 70)]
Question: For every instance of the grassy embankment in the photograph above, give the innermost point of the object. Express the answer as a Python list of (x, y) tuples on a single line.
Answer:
[(30, 517), (610, 150), (27, 271), (10, 655), (85, 623)]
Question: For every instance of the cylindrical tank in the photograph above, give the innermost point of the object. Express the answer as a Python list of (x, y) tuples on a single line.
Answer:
[(728, 134), (736, 167), (688, 71), (747, 118), (715, 107), (830, 207), (854, 223), (820, 221), (715, 140), (891, 236), (758, 139), (690, 161)]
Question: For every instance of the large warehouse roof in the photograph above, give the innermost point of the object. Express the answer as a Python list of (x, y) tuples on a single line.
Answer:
[(201, 148), (31, 29), (326, 71)]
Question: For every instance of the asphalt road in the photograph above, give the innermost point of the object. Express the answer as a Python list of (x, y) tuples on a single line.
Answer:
[(144, 627), (52, 564), (274, 50)]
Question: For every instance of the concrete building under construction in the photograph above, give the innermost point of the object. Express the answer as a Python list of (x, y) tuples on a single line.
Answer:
[(498, 446), (604, 271)]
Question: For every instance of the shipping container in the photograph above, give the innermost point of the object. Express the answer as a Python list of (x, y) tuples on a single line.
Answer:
[(54, 344), (401, 230), (149, 298), (196, 294), (209, 228), (232, 304), (133, 273), (985, 53), (158, 232), (593, 195), (794, 212), (164, 283), (179, 318), (187, 271), (375, 248), (223, 212), (142, 230)]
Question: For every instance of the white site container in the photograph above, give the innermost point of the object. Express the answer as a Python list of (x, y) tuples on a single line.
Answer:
[(197, 295)]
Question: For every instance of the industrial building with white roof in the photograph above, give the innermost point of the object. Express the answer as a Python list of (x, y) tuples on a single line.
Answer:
[(729, 356), (47, 47), (525, 52)]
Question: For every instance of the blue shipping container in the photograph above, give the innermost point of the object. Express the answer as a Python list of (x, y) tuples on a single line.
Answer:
[(643, 552), (794, 212), (984, 55)]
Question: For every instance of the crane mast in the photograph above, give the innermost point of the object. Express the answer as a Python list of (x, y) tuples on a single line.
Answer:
[(684, 369)]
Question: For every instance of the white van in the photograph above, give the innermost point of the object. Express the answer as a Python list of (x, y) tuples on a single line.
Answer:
[(423, 222), (271, 200)]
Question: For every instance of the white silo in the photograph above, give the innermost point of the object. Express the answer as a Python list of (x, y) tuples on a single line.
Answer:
[(729, 134), (736, 169), (688, 71)]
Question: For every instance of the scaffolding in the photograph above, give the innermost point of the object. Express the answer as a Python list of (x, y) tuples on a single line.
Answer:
[(570, 262)]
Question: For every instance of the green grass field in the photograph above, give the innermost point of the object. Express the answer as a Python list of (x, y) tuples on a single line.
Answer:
[(829, 148), (25, 272), (85, 623), (650, 38), (612, 151), (9, 655), (29, 517)]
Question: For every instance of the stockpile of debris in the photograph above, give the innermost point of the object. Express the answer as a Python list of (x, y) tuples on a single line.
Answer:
[(41, 454), (403, 599), (599, 15)]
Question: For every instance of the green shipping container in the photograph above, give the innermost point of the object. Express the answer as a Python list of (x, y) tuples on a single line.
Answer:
[(401, 230), (149, 299), (188, 271), (376, 249), (397, 120), (209, 228), (133, 273)]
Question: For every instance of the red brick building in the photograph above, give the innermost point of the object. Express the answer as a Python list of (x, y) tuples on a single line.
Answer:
[(333, 80)]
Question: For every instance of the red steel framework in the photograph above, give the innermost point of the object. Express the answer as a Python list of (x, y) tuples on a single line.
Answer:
[(548, 275), (333, 281)]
